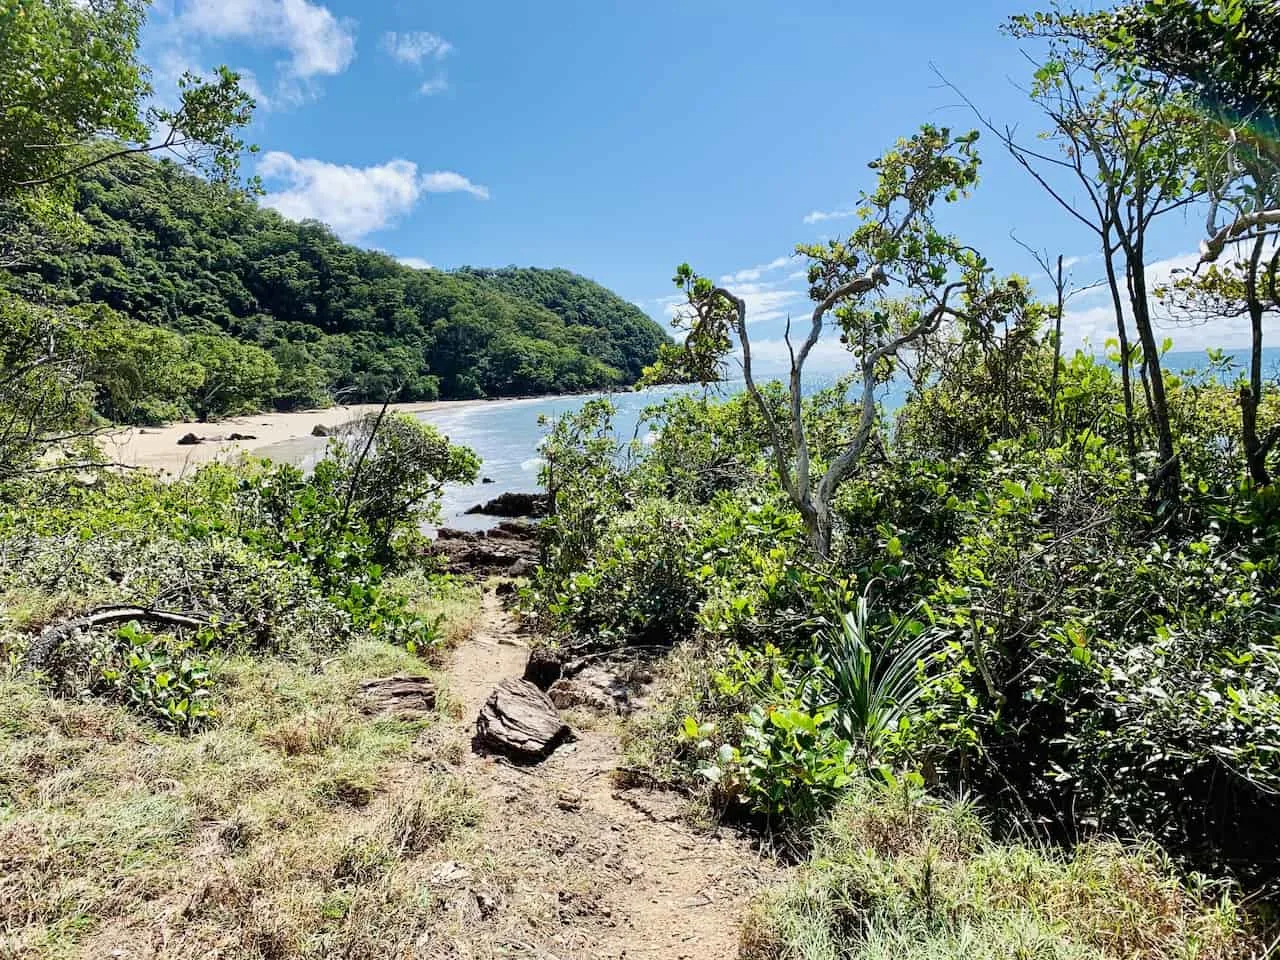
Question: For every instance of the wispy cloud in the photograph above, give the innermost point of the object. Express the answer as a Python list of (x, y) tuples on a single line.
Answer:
[(1091, 319), (820, 216), (354, 201), (416, 46), (755, 273), (446, 181), (416, 262)]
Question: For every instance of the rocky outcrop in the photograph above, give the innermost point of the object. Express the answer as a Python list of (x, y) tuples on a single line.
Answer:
[(519, 721), (188, 440), (320, 430), (593, 688), (513, 504), (510, 548)]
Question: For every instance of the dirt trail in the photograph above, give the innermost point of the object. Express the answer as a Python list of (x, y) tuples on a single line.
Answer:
[(594, 870)]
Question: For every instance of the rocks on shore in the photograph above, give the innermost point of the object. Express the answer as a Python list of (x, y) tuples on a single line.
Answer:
[(320, 430), (189, 440), (513, 504), (510, 548), (520, 722)]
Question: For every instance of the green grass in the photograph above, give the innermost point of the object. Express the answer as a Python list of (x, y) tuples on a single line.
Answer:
[(898, 877)]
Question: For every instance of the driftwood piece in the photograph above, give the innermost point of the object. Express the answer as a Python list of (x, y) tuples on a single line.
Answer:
[(43, 649), (520, 721), (404, 697)]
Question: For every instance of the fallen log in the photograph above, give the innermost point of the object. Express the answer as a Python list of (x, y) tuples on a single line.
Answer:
[(40, 654)]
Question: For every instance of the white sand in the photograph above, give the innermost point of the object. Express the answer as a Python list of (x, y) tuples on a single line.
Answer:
[(157, 448)]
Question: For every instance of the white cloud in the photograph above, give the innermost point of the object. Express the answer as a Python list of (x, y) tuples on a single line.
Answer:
[(766, 302), (770, 357), (416, 46), (317, 42), (755, 273), (437, 84), (820, 216), (1092, 319), (446, 181), (354, 201), (416, 262)]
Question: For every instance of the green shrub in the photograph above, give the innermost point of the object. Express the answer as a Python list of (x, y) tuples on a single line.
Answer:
[(165, 679)]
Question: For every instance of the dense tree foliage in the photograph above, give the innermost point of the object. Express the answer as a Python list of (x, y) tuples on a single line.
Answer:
[(626, 340), (170, 250)]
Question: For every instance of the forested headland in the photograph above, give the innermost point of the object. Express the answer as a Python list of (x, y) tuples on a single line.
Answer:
[(196, 302), (784, 675)]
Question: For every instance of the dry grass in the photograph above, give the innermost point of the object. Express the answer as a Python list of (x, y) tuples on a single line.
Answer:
[(904, 878), (298, 826)]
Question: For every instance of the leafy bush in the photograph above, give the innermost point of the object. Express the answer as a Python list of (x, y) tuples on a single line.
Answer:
[(274, 560), (167, 680)]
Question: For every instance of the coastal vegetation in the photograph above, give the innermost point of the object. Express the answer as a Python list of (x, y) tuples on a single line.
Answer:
[(994, 674)]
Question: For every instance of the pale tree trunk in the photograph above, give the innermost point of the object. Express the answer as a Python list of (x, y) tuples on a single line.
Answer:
[(1255, 450)]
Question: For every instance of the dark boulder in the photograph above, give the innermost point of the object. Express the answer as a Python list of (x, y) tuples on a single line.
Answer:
[(520, 722), (543, 668), (513, 504), (320, 430), (189, 440)]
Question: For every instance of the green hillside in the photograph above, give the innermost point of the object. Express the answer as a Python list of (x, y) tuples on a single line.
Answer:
[(311, 317)]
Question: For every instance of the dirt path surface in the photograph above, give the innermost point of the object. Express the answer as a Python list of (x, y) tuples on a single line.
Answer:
[(588, 869)]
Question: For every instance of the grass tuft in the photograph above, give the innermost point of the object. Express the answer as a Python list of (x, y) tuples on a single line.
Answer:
[(908, 878)]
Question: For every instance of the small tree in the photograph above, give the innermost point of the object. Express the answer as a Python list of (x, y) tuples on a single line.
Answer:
[(1130, 151), (890, 285), (73, 94)]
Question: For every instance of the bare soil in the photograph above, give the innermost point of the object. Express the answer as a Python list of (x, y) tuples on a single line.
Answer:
[(595, 869)]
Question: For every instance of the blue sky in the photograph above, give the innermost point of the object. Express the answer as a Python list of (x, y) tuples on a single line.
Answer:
[(620, 138)]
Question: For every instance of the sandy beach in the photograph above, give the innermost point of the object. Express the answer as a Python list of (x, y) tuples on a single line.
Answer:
[(282, 436)]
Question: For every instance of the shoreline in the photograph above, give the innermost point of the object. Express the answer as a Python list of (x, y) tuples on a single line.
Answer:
[(288, 434)]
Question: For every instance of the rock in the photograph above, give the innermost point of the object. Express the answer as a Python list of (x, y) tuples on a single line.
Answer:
[(514, 504), (520, 721), (466, 551), (543, 667), (487, 480), (241, 436), (320, 430), (521, 568), (594, 688), (188, 440), (449, 873), (405, 698)]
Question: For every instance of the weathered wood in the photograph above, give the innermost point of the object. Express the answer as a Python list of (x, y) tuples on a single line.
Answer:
[(41, 652), (520, 721), (404, 697)]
